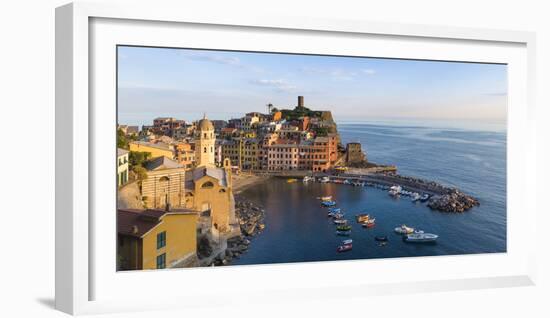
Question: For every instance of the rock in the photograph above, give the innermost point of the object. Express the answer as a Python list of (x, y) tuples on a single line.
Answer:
[(454, 201)]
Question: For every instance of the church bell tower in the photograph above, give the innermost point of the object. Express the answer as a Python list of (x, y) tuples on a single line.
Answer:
[(204, 143)]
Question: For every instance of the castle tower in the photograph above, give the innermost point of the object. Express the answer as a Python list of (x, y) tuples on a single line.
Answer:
[(204, 143)]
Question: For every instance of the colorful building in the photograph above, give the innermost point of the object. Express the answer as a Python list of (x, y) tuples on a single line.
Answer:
[(283, 155), (122, 167), (155, 149), (320, 154), (185, 154), (156, 239)]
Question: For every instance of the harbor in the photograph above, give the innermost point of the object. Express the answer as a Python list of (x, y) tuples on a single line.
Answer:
[(297, 226)]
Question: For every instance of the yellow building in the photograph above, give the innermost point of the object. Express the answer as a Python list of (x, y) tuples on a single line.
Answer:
[(156, 239), (156, 149), (210, 191), (205, 188)]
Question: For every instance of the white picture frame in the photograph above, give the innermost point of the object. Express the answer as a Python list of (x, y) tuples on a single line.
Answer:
[(78, 66)]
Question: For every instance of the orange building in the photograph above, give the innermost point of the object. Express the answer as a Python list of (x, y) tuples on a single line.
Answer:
[(277, 116), (320, 154)]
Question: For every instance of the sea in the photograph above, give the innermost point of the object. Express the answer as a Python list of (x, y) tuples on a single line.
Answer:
[(471, 159)]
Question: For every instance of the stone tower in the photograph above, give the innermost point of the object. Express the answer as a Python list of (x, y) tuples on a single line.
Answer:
[(204, 143)]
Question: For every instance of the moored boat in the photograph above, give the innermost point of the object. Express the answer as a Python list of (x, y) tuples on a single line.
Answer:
[(338, 215), (362, 217), (368, 224), (308, 179), (381, 238), (344, 248), (420, 238), (343, 227), (324, 180), (403, 229), (343, 233), (334, 210), (395, 190), (325, 198), (340, 221), (348, 241), (291, 180), (328, 203), (425, 198)]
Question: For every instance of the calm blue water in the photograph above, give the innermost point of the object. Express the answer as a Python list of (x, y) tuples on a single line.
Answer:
[(298, 230)]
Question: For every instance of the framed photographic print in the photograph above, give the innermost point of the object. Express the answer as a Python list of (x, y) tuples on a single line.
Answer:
[(193, 151)]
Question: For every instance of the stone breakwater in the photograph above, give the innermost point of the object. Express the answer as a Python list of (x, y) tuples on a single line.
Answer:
[(444, 199), (453, 201), (251, 220), (251, 217)]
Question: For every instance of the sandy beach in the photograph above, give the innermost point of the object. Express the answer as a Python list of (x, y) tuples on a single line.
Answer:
[(245, 180)]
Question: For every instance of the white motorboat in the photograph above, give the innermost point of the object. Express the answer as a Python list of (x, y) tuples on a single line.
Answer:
[(420, 238), (395, 190)]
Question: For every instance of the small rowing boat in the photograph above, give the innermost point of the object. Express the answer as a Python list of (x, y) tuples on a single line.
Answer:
[(328, 203), (338, 215), (343, 227), (381, 238), (325, 198), (369, 225), (343, 233), (344, 248), (340, 221)]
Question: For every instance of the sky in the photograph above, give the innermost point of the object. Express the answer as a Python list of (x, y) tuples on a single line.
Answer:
[(186, 83)]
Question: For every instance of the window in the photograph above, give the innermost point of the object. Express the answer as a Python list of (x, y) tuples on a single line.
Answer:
[(161, 261), (161, 240), (207, 185)]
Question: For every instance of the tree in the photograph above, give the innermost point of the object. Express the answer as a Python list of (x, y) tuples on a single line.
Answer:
[(138, 158), (274, 110), (141, 173), (121, 140)]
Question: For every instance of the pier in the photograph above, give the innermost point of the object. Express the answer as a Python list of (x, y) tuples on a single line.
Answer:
[(442, 198)]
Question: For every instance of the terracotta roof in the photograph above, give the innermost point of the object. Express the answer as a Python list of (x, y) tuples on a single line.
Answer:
[(132, 223), (136, 223)]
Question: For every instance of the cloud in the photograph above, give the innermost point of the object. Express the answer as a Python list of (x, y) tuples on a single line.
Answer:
[(278, 84), (337, 73), (229, 60)]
